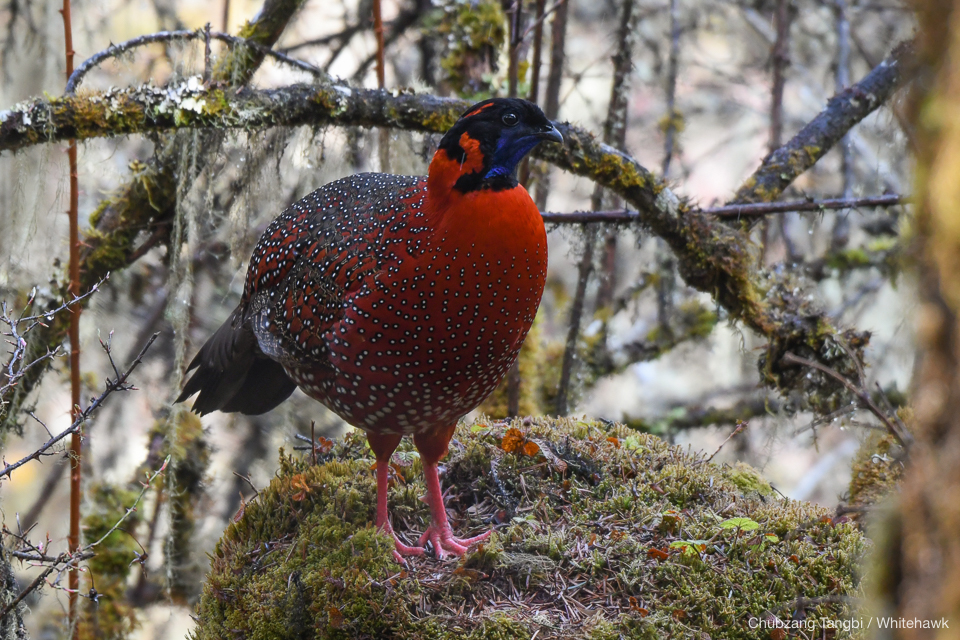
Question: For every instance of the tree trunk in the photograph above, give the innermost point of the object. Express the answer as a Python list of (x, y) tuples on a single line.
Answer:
[(921, 549)]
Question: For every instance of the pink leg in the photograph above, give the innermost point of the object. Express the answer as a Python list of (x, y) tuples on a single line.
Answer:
[(439, 533), (383, 447), (383, 517)]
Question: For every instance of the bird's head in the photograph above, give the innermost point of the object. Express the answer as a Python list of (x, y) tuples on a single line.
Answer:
[(482, 150)]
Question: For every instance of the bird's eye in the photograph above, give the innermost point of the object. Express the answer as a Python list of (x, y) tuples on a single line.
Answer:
[(510, 119)]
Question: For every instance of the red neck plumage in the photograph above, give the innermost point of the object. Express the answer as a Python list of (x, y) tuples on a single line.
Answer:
[(445, 171)]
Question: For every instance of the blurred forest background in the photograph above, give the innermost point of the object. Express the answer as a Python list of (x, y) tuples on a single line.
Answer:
[(702, 92)]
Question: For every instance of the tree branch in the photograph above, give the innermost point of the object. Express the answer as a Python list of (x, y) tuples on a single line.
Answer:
[(842, 112), (734, 211)]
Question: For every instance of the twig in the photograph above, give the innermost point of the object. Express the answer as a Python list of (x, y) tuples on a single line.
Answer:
[(551, 107), (69, 560), (206, 53), (780, 58), (226, 15), (904, 438), (573, 331), (15, 368), (250, 482), (735, 211), (131, 508), (384, 135), (115, 50), (33, 586), (515, 17), (741, 425), (614, 134), (111, 386)]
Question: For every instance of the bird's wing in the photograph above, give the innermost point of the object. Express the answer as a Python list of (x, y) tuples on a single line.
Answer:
[(313, 255)]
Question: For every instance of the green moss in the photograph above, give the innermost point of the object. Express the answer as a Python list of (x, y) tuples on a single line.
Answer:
[(848, 259), (112, 616), (594, 522), (473, 33), (748, 479), (184, 442), (876, 471)]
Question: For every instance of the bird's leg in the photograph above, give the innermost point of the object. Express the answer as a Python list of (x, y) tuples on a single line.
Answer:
[(432, 448), (383, 447)]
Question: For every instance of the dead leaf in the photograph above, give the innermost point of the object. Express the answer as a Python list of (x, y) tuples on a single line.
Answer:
[(657, 554), (335, 617), (512, 440), (530, 449), (300, 483)]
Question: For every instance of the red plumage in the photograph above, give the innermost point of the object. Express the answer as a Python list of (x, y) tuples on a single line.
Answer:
[(398, 302)]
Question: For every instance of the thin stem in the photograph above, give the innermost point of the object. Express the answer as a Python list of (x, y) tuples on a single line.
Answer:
[(226, 15), (735, 211), (670, 131), (73, 539), (904, 439), (384, 135), (780, 59), (614, 133), (841, 226), (114, 50), (573, 332), (513, 71), (558, 36)]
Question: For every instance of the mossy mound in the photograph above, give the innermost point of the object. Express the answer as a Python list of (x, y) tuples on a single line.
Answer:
[(603, 533)]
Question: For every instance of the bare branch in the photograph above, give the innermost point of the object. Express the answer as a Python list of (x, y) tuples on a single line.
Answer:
[(903, 437), (120, 384), (115, 50)]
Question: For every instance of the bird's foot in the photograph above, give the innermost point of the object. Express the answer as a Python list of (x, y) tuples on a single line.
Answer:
[(401, 550), (444, 543)]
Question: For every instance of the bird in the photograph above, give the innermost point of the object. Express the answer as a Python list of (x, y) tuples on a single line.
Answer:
[(399, 302)]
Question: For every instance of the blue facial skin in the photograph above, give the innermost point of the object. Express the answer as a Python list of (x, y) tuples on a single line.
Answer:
[(510, 151)]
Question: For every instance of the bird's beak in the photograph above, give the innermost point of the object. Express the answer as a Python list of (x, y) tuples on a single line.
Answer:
[(551, 134)]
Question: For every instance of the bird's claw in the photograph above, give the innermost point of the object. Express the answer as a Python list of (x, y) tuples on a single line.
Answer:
[(444, 543), (401, 550)]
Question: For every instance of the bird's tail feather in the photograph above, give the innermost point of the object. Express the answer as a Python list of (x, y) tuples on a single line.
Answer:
[(233, 375)]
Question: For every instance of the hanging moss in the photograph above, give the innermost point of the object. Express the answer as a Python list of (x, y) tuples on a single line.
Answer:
[(600, 533), (191, 457)]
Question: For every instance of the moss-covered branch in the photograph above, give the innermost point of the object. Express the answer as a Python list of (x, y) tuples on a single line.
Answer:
[(842, 112), (191, 105)]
